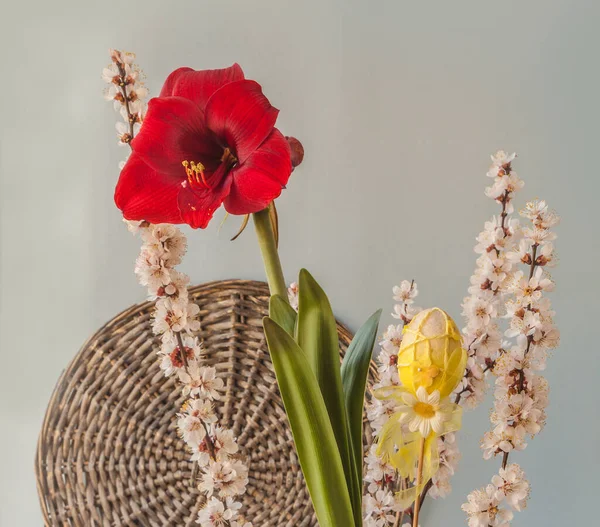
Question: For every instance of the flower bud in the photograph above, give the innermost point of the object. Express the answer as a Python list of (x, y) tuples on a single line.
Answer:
[(297, 151), (431, 353)]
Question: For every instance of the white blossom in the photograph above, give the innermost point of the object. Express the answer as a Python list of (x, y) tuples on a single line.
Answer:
[(483, 509), (192, 421), (227, 479), (217, 513), (406, 292), (167, 241), (152, 271), (405, 312), (201, 381), (449, 458), (172, 359), (377, 472), (293, 295), (170, 316), (511, 487), (222, 447), (392, 338), (499, 160), (501, 442), (380, 507)]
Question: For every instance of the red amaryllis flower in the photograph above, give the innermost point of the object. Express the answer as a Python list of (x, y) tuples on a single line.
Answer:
[(208, 139)]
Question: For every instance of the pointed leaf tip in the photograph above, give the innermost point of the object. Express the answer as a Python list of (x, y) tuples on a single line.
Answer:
[(355, 370), (318, 337)]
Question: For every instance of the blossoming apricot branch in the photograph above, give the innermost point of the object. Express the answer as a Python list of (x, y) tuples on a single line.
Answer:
[(126, 90), (223, 473), (214, 449), (489, 283), (521, 394), (499, 288)]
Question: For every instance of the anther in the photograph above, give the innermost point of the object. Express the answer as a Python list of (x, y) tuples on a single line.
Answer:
[(195, 173)]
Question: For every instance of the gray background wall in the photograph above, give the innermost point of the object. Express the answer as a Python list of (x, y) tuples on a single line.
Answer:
[(398, 104)]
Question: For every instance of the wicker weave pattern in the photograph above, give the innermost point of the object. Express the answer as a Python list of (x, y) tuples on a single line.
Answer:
[(109, 454)]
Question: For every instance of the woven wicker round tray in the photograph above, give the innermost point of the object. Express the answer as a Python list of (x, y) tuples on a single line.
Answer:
[(109, 454)]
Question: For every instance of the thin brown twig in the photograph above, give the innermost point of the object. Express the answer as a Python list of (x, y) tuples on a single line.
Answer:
[(123, 86), (521, 384), (412, 285), (504, 214), (182, 351), (209, 442)]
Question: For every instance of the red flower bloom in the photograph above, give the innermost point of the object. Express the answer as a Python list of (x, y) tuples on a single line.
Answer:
[(208, 139)]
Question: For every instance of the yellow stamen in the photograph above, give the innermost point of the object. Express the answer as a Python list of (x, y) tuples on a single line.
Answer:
[(195, 173)]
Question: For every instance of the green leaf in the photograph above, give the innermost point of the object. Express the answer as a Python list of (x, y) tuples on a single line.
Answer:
[(317, 336), (313, 434), (355, 488), (282, 313), (355, 369)]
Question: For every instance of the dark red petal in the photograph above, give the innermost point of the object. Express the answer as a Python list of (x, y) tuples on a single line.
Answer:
[(197, 206), (144, 194), (198, 86), (261, 178), (174, 131), (241, 116)]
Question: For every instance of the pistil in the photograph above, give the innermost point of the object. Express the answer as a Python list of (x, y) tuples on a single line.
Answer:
[(228, 158)]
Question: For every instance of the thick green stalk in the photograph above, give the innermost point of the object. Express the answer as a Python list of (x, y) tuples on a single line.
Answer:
[(268, 248)]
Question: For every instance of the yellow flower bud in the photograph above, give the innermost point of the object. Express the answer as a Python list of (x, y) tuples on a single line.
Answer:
[(431, 353)]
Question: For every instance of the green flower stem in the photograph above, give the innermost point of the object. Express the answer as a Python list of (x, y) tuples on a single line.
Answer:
[(268, 248)]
